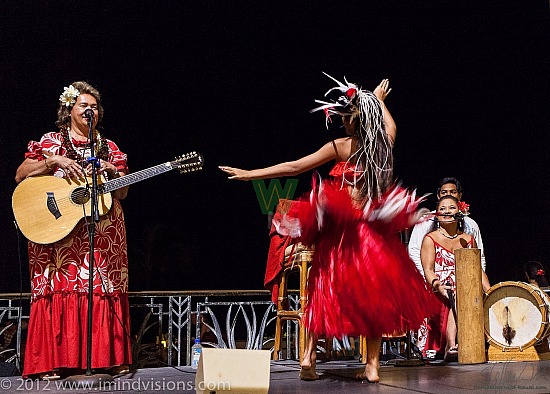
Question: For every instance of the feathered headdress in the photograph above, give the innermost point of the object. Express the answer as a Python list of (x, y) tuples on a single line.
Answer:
[(373, 158)]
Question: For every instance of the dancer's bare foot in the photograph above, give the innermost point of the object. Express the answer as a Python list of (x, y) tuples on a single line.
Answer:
[(370, 374), (309, 358), (308, 373), (307, 369)]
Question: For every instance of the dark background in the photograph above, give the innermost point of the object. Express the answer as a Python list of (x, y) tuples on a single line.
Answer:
[(234, 80)]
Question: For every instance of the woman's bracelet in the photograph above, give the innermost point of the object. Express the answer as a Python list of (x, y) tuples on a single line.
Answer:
[(47, 165), (433, 281)]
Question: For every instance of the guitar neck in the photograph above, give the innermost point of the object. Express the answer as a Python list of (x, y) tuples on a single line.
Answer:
[(134, 177)]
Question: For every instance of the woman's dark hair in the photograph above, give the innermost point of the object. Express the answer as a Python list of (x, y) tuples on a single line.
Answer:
[(535, 271), (64, 112), (436, 221)]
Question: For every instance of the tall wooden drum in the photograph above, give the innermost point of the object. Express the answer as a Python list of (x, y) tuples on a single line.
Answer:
[(469, 305)]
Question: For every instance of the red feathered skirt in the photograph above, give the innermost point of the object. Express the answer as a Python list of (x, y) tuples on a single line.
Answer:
[(362, 281)]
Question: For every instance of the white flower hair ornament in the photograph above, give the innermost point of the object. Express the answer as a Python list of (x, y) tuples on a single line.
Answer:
[(69, 95)]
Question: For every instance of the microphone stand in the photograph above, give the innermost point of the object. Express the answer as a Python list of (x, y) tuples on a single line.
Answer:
[(89, 379), (452, 301), (409, 361)]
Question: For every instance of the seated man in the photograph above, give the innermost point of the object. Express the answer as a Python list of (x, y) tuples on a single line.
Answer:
[(447, 186)]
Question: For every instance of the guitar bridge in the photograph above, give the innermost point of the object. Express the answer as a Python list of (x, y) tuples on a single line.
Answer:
[(52, 205)]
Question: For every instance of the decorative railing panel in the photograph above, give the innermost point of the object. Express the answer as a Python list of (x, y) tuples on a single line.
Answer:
[(165, 324)]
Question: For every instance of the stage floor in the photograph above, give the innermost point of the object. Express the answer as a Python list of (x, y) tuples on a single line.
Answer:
[(336, 376)]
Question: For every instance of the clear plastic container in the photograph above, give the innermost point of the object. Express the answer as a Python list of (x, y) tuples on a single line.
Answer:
[(196, 351)]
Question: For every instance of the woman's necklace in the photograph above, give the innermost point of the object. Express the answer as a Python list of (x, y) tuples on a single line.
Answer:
[(447, 235), (73, 151), (86, 144)]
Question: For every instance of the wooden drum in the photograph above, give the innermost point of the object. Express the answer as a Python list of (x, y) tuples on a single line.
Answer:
[(516, 316)]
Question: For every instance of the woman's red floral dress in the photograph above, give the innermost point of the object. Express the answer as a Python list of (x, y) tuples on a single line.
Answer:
[(57, 336)]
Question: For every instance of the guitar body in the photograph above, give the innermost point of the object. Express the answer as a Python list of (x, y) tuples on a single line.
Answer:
[(48, 208)]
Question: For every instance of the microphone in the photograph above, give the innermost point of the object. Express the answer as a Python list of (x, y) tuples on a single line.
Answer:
[(89, 114), (455, 216), (458, 215)]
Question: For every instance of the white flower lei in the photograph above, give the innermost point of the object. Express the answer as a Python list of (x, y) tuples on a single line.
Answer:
[(69, 95)]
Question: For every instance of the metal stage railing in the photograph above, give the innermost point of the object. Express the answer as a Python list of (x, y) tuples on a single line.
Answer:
[(164, 324)]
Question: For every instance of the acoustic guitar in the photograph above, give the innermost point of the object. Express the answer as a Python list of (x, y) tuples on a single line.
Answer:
[(48, 208)]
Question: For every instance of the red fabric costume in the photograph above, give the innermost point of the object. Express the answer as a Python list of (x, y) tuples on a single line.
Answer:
[(275, 257), (433, 334), (362, 281), (57, 334)]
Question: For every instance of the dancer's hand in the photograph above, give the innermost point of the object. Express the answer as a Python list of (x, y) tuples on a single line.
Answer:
[(236, 173), (382, 90), (421, 215)]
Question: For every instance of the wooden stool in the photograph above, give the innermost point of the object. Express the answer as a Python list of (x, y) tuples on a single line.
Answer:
[(297, 260)]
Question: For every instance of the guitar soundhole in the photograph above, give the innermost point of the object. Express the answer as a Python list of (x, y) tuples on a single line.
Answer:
[(80, 196)]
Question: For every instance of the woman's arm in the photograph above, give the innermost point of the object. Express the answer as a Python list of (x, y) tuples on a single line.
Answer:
[(391, 127), (119, 194), (415, 243), (290, 168), (427, 256), (33, 167), (381, 92)]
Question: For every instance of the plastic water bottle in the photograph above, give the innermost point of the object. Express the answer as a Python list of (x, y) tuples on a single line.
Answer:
[(196, 351)]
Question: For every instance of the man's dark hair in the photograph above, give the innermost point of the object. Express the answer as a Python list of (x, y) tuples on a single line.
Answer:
[(452, 180)]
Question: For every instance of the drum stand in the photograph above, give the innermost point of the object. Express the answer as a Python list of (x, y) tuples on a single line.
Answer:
[(540, 352)]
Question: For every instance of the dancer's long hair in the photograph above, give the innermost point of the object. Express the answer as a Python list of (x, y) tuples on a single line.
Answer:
[(372, 155)]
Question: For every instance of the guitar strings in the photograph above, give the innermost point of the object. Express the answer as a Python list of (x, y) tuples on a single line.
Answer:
[(81, 194)]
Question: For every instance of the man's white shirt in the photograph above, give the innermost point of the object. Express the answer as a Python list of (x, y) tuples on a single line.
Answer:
[(421, 229)]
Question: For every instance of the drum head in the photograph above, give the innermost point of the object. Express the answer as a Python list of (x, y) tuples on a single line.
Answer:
[(515, 315)]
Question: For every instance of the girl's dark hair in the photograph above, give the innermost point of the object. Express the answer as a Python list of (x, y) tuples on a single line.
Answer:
[(535, 271), (64, 112)]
